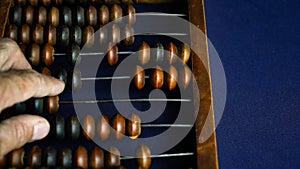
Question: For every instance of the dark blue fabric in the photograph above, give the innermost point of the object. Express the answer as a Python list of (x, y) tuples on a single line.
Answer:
[(259, 45)]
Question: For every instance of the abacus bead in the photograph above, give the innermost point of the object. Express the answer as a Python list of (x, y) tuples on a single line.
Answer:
[(20, 2), (33, 2), (12, 32), (73, 129), (115, 34), (25, 34), (96, 158), (88, 36), (50, 157), (76, 35), (57, 2), (103, 127), (144, 157), (144, 53), (160, 53), (46, 2), (78, 15), (103, 15), (91, 16), (103, 35), (172, 78), (34, 158), (157, 78), (118, 124), (45, 71), (130, 11), (3, 161), (53, 16), (81, 158), (20, 107), (113, 158), (129, 35), (48, 54), (74, 80), (29, 15), (34, 54), (139, 78), (17, 15), (52, 104), (74, 55), (185, 76), (62, 74), (23, 47), (172, 53), (38, 105), (65, 158), (59, 127), (42, 15), (185, 53), (50, 35), (66, 16), (116, 12), (133, 126), (89, 127), (38, 34), (64, 35), (112, 54), (16, 158)]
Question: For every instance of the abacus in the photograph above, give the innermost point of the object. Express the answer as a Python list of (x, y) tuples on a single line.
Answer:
[(54, 34)]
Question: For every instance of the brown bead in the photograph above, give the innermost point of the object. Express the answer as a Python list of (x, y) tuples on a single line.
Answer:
[(130, 12), (52, 104), (73, 128), (29, 15), (45, 71), (157, 78), (133, 126), (139, 78), (115, 34), (64, 35), (33, 2), (172, 78), (66, 16), (144, 156), (41, 15), (96, 158), (76, 35), (118, 124), (38, 34), (16, 158), (112, 54), (50, 35), (88, 36), (185, 53), (12, 32), (129, 35), (34, 158), (65, 158), (144, 53), (185, 76), (78, 16), (103, 127), (53, 16), (103, 33), (3, 161), (50, 156), (46, 2), (74, 80), (89, 127), (16, 17), (112, 159), (48, 54), (159, 53), (25, 34), (103, 15), (116, 12), (91, 16), (172, 53), (81, 158), (34, 54), (57, 2), (20, 2)]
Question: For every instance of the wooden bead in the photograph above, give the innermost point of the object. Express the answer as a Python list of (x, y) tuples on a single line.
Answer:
[(103, 33), (48, 54), (25, 34), (33, 2), (46, 2), (133, 126), (115, 34), (74, 80), (139, 78), (144, 157), (160, 53), (103, 15), (12, 32), (34, 158), (76, 35), (88, 36), (73, 128), (129, 35), (172, 53), (78, 16), (157, 78), (41, 15), (118, 124), (65, 158), (66, 16), (50, 157), (59, 127), (38, 105), (89, 127), (57, 2), (16, 158), (74, 55), (45, 71), (103, 127), (116, 13), (112, 159), (81, 158), (112, 54), (52, 104), (62, 75), (3, 162), (91, 16), (29, 15), (144, 53), (185, 53), (38, 34), (53, 16), (96, 158), (185, 76), (16, 17), (130, 12), (34, 54), (64, 35), (50, 35), (20, 2), (172, 78)]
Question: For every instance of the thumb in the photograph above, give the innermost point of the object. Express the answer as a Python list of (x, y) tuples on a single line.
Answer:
[(18, 130)]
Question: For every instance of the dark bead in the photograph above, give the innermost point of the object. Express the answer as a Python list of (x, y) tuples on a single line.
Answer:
[(33, 2), (46, 2), (103, 33), (38, 105), (50, 157), (112, 159), (133, 126), (57, 2), (38, 34), (52, 104), (103, 15), (173, 52), (116, 12), (76, 35), (16, 158), (115, 34), (16, 17), (78, 15), (112, 54), (59, 127), (53, 16), (129, 35), (12, 32), (185, 53), (172, 78), (144, 53), (20, 107), (25, 34), (89, 127), (50, 35), (96, 158), (74, 80), (29, 15), (62, 74), (41, 15), (64, 35), (34, 158), (130, 12), (159, 53), (185, 76), (65, 158), (66, 16), (3, 161), (23, 47), (34, 54), (139, 78), (157, 78), (73, 128), (103, 127), (88, 36), (74, 55), (48, 54), (91, 16), (20, 2), (81, 158), (118, 124), (144, 157), (45, 71)]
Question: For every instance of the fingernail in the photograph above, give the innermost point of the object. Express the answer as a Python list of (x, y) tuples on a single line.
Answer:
[(40, 130)]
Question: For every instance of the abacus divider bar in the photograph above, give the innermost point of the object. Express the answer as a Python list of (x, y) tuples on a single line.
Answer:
[(162, 155)]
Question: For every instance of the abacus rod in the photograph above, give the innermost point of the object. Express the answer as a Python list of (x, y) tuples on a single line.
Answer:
[(109, 78), (158, 14), (167, 125), (162, 156), (94, 53), (123, 100)]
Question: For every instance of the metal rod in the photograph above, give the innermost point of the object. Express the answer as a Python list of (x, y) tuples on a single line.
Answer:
[(123, 100), (109, 78), (162, 156), (167, 125)]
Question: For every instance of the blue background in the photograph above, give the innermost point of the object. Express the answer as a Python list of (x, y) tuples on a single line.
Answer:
[(259, 45)]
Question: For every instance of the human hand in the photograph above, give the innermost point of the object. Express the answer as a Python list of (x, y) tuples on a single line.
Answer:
[(19, 82)]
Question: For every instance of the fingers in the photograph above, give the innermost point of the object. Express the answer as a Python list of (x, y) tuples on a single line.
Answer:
[(11, 56), (18, 130), (19, 85)]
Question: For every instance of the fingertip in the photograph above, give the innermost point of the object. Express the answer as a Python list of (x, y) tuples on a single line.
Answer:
[(58, 86)]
